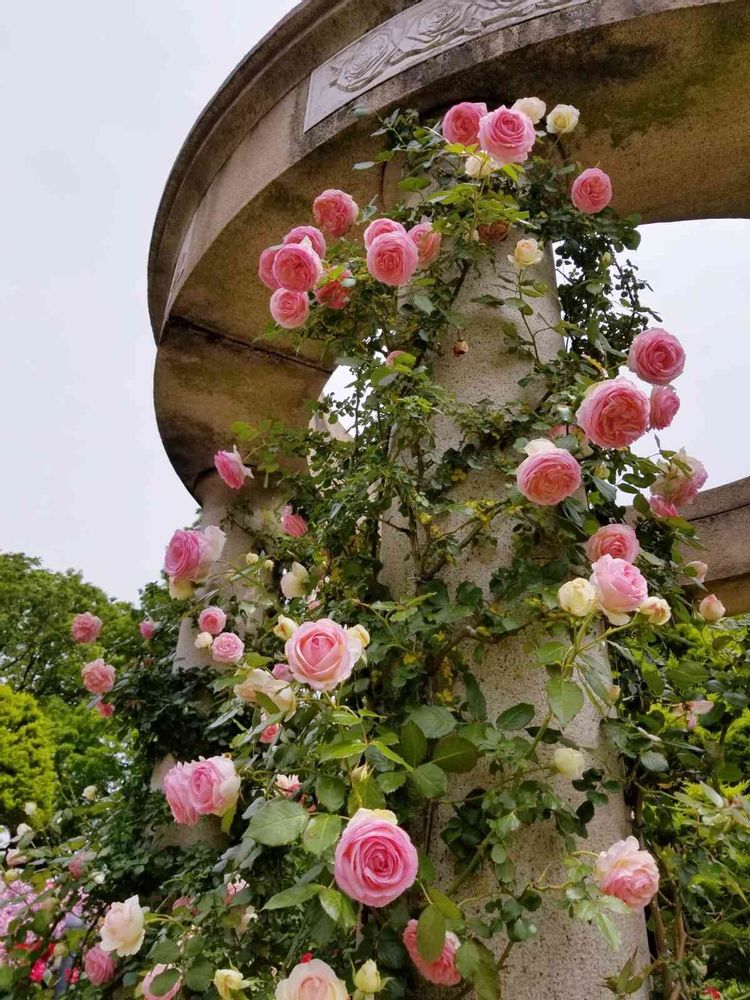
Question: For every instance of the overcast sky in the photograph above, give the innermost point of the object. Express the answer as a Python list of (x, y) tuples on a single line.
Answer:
[(96, 100)]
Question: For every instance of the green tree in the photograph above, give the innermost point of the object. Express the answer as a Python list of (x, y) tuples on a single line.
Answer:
[(27, 770)]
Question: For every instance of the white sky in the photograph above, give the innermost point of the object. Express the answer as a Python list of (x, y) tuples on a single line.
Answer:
[(96, 100)]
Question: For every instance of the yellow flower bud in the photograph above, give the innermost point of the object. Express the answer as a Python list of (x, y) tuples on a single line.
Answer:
[(368, 978)]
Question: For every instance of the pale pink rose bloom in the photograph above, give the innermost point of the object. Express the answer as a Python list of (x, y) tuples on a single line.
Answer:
[(616, 540), (287, 784), (191, 553), (86, 627), (379, 227), (183, 903), (124, 927), (79, 861), (620, 588), (375, 859), (660, 507), (98, 677), (427, 242), (442, 971), (212, 620), (549, 474), (149, 980), (270, 734), (681, 478), (507, 135), (627, 872), (293, 524), (591, 191), (700, 568), (227, 648), (297, 267), (147, 628), (392, 358), (289, 309), (461, 122), (104, 709), (392, 259), (98, 966), (711, 608), (614, 413), (664, 406), (231, 468), (214, 786), (335, 212), (692, 710), (265, 267), (233, 888), (176, 785), (311, 233), (312, 980), (282, 672), (322, 654), (656, 356), (334, 293)]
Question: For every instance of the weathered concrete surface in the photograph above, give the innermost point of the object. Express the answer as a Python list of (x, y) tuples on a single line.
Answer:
[(721, 518)]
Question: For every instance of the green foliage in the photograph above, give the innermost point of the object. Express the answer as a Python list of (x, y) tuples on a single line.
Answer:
[(27, 771)]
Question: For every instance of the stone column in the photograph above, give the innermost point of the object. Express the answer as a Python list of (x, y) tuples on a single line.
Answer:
[(567, 960)]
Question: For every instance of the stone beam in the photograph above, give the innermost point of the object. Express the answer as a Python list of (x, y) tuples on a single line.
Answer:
[(721, 518)]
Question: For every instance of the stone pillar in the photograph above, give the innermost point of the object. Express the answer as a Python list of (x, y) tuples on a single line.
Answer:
[(567, 960)]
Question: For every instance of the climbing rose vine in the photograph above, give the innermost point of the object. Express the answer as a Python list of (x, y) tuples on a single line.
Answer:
[(279, 816)]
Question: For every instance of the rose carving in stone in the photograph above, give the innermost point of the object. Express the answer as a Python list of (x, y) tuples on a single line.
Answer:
[(442, 24), (367, 61)]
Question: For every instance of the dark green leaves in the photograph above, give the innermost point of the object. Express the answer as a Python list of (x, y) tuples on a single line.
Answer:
[(278, 822), (434, 720), (431, 933), (565, 699)]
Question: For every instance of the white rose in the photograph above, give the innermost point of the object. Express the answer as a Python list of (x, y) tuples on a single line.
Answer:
[(262, 682), (309, 979), (361, 633), (228, 981), (480, 165), (285, 627), (699, 570), (294, 583), (656, 610), (180, 589), (712, 609), (534, 107), (577, 597), (22, 829), (124, 927), (30, 808), (252, 558), (526, 254), (538, 446), (89, 793), (14, 858), (562, 119), (569, 762), (204, 640)]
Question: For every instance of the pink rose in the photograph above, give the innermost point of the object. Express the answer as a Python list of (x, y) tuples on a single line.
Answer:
[(664, 405), (627, 872), (177, 789), (335, 212), (699, 568), (227, 648), (375, 859), (461, 123), (548, 475), (184, 902), (692, 711), (393, 357), (233, 888), (614, 413), (105, 709), (311, 979), (270, 734), (334, 293), (591, 191), (507, 135), (311, 233), (681, 478), (322, 654), (427, 242), (211, 620), (392, 258), (293, 524), (656, 356), (289, 309), (297, 267), (86, 627), (147, 628), (98, 966), (98, 677), (231, 468), (660, 508), (711, 608), (282, 672), (149, 980), (265, 268), (442, 971), (620, 588), (287, 785), (214, 786), (379, 227), (192, 552), (616, 540)]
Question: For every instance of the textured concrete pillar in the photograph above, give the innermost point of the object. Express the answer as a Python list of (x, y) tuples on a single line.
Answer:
[(567, 960)]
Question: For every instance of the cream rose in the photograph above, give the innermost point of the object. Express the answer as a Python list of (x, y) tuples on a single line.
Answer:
[(656, 610), (262, 682), (577, 597), (534, 107), (527, 253), (314, 980), (562, 119), (568, 762), (124, 927)]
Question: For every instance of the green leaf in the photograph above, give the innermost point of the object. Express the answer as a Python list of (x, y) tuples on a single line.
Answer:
[(330, 792), (429, 780), (338, 907), (553, 651), (278, 822), (430, 933), (165, 952), (446, 906), (476, 964), (455, 755), (434, 720), (423, 303), (565, 699), (516, 717), (687, 675), (322, 831), (390, 754), (163, 983), (389, 781), (294, 896), (337, 751), (475, 700), (413, 744), (199, 976), (654, 761)]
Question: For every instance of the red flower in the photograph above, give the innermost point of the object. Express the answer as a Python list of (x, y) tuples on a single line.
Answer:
[(307, 957), (711, 991)]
